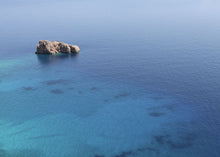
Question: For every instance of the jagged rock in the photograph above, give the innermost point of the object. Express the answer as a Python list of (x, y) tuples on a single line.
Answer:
[(53, 47)]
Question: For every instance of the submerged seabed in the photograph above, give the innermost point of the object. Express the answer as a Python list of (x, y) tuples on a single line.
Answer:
[(53, 111)]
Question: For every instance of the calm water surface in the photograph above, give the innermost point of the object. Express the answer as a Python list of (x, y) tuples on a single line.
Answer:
[(145, 84)]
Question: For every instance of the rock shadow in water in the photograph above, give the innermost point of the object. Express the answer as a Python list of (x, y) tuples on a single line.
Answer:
[(48, 59)]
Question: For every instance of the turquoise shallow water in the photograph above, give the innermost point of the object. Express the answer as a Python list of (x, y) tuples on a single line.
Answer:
[(60, 109), (74, 115), (136, 89)]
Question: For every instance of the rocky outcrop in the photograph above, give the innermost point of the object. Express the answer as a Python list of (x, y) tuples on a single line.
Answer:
[(54, 47)]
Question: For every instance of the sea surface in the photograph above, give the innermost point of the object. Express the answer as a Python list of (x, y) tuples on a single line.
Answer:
[(146, 82)]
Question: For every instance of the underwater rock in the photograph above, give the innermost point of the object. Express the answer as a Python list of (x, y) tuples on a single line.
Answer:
[(54, 47)]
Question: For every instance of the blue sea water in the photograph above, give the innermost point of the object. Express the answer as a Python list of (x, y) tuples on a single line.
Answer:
[(145, 84)]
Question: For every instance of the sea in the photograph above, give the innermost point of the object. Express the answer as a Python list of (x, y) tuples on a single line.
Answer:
[(146, 82)]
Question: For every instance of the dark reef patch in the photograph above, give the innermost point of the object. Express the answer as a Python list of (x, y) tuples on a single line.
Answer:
[(161, 139), (57, 91), (28, 88), (179, 145), (3, 153), (124, 154), (157, 98), (55, 82), (99, 156), (106, 100), (151, 149), (93, 89), (71, 88), (21, 153), (121, 95), (136, 151), (156, 114), (182, 141), (80, 92)]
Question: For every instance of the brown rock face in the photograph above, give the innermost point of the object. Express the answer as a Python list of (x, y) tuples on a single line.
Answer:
[(53, 47)]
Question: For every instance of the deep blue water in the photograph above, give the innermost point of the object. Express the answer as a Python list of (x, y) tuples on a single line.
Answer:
[(145, 84)]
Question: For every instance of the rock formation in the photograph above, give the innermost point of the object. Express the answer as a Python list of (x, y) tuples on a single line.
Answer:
[(54, 47)]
